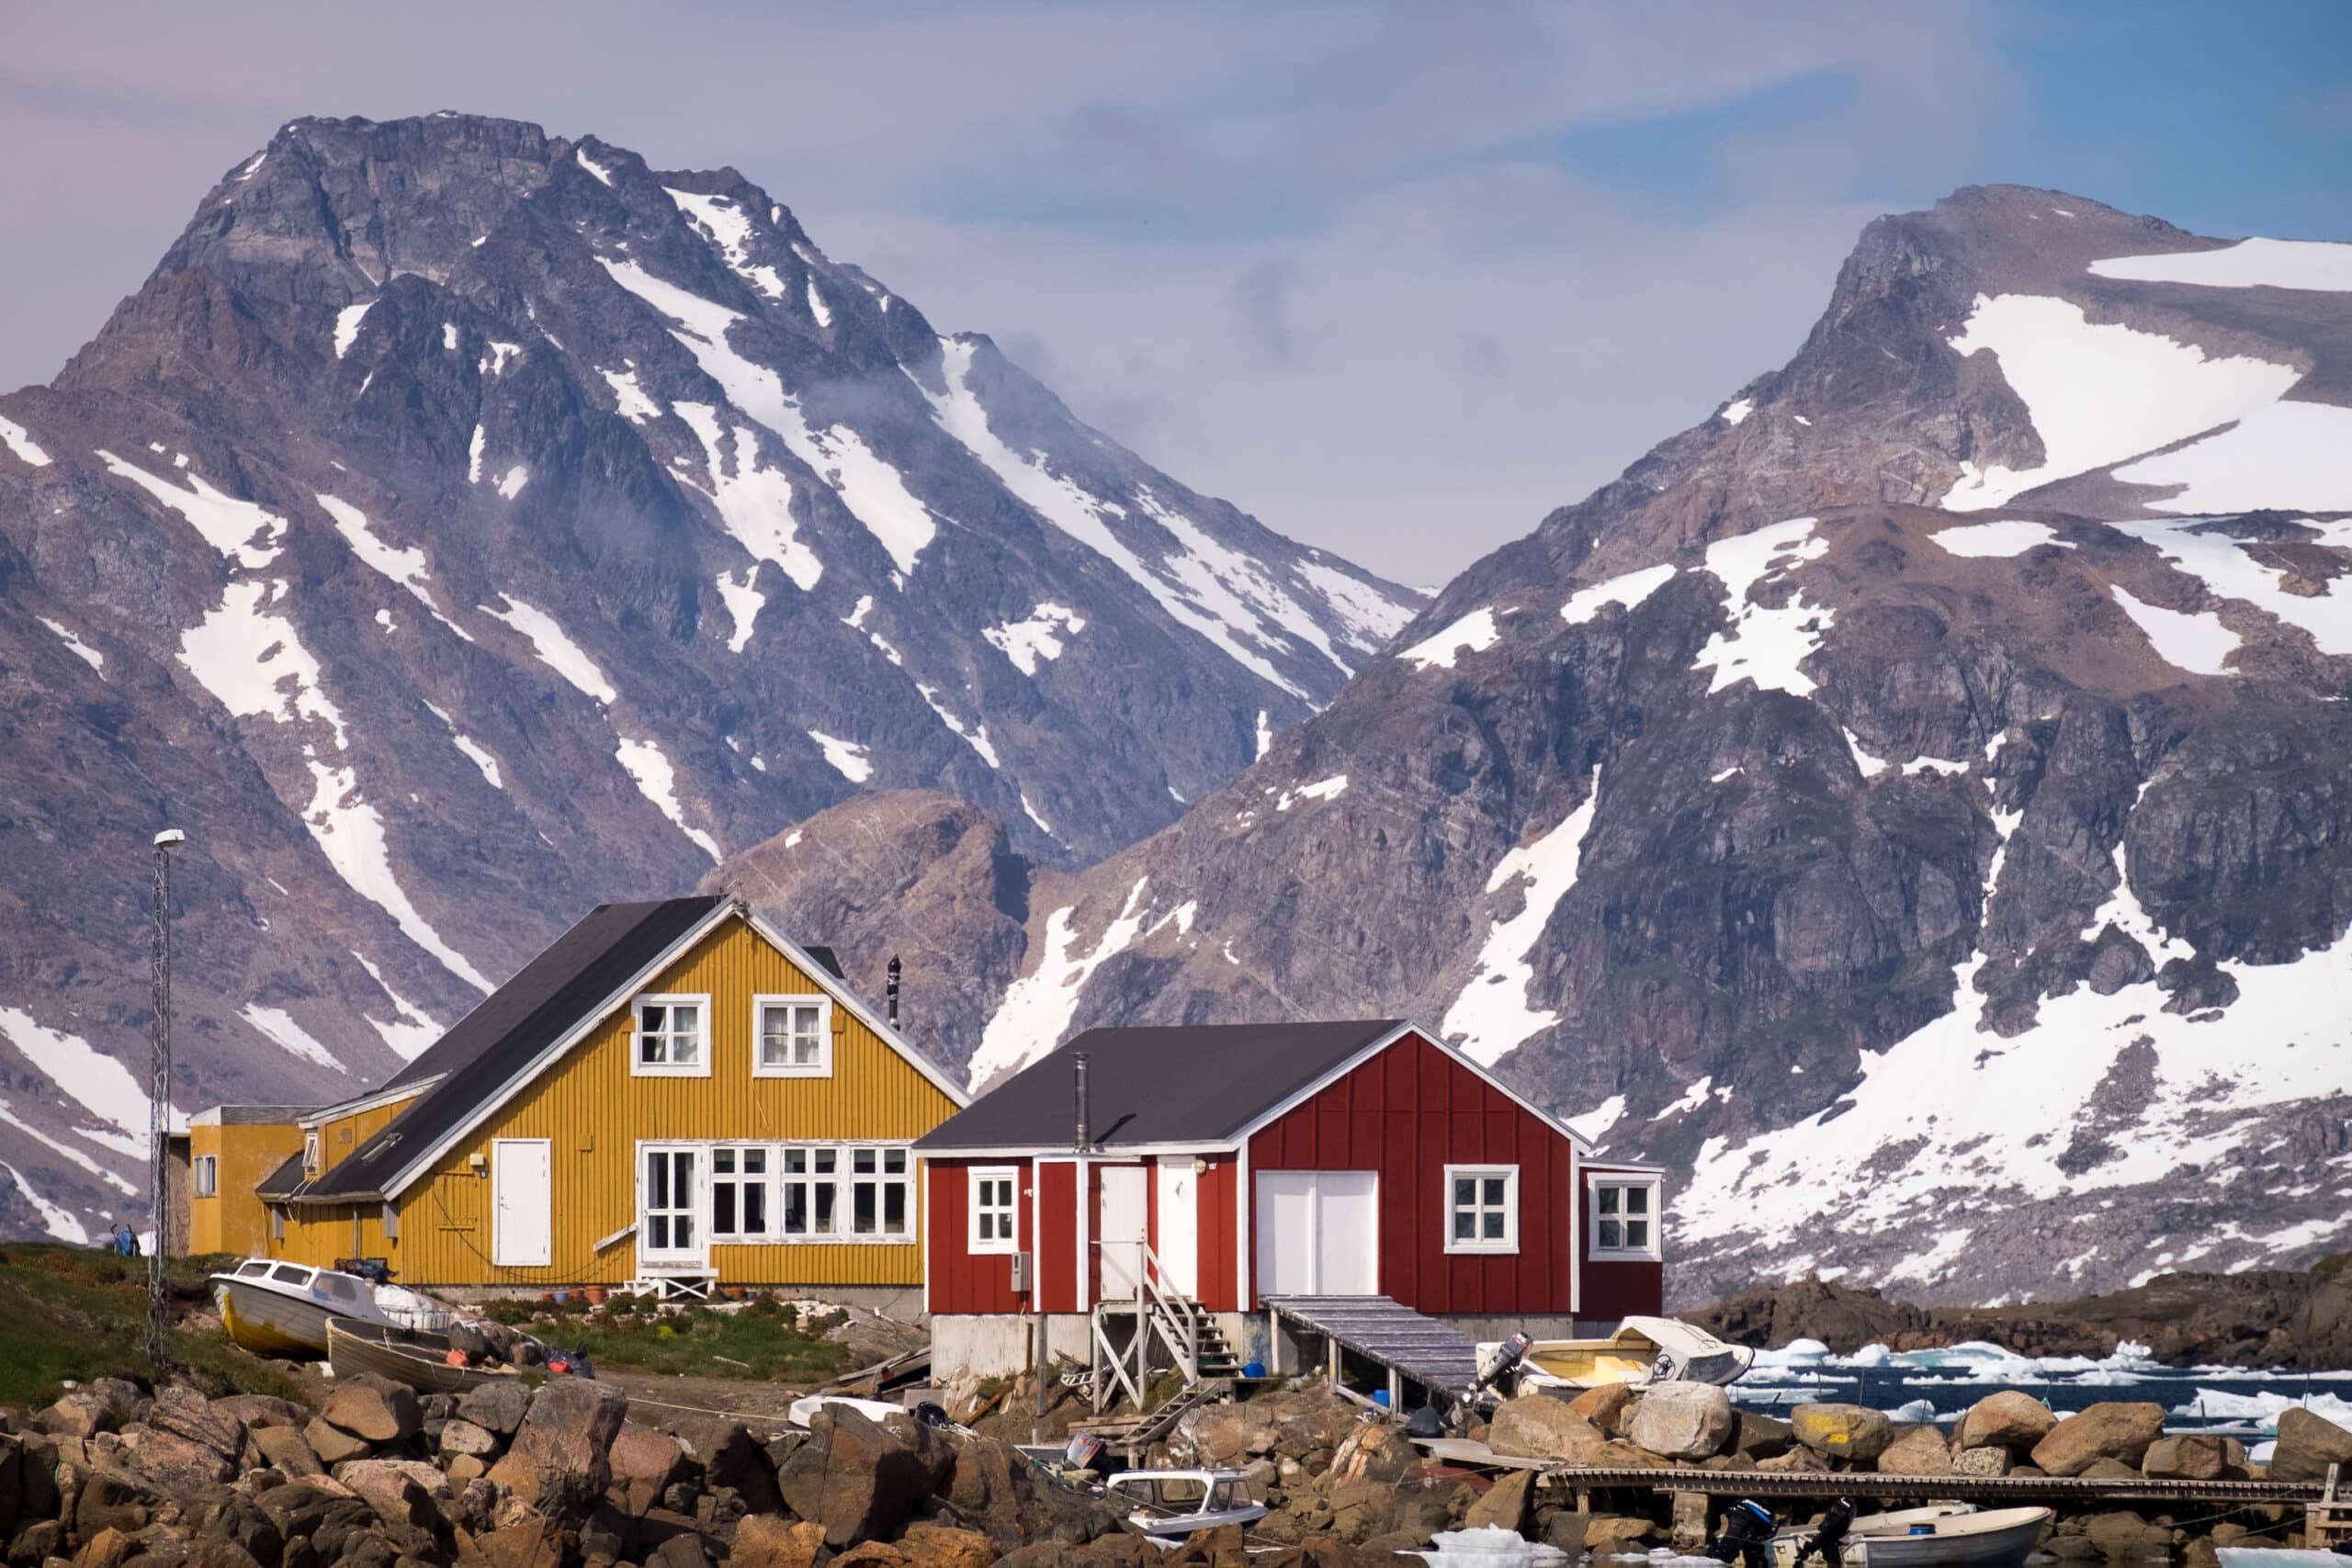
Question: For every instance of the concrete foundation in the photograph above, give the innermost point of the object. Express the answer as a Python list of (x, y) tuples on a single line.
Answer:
[(901, 1303), (1000, 1344)]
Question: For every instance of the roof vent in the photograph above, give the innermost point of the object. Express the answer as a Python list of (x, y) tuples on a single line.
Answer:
[(1078, 1061), (890, 991)]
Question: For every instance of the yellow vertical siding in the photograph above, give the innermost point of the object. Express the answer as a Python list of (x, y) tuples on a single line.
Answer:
[(234, 1219), (594, 1113), (339, 1137)]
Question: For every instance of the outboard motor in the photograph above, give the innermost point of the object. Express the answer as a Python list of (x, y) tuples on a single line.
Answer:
[(1508, 1356), (1825, 1542), (1747, 1535)]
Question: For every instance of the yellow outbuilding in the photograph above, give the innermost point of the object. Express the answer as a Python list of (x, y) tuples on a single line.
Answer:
[(674, 1093)]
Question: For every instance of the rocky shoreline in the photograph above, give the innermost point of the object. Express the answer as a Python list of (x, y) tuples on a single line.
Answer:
[(2259, 1318), (562, 1476)]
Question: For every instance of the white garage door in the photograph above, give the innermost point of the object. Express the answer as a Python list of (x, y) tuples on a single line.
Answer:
[(1318, 1233)]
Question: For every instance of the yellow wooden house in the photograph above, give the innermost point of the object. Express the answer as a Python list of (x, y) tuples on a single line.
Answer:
[(672, 1092)]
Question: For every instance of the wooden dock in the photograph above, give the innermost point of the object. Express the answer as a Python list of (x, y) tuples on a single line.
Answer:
[(1410, 1346)]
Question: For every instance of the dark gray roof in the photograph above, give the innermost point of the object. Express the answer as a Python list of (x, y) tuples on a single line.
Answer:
[(283, 1182), (550, 996), (1188, 1084)]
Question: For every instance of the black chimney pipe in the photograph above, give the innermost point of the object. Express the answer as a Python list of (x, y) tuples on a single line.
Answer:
[(890, 991), (1080, 1060)]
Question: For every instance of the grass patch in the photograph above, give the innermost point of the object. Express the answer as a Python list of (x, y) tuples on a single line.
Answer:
[(78, 1314), (763, 1342)]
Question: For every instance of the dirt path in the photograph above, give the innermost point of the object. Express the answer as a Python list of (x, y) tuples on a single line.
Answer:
[(655, 1397)]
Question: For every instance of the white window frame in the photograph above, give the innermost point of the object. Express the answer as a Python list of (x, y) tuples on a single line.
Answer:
[(204, 1177), (700, 1067), (881, 1181), (309, 1153), (977, 1178), (1482, 1174), (823, 1067), (1655, 1252), (741, 1180)]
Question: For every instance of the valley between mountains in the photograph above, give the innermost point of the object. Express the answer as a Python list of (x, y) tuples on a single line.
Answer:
[(1909, 803)]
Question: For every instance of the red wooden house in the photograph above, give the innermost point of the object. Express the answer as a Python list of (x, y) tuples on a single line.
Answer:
[(1232, 1163)]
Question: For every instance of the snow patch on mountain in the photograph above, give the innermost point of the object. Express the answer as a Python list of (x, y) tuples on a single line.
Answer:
[(1036, 639), (1493, 1014), (91, 1079), (277, 1027), (728, 227), (2197, 642), (658, 781), (1473, 633), (474, 752), (1321, 789), (1628, 591), (976, 736), (754, 504), (846, 757), (28, 451), (1036, 1009), (2099, 393), (347, 325), (2230, 568), (554, 648), (2250, 264), (2288, 455), (55, 1218), (245, 656), (228, 524), (1765, 646), (2008, 537), (76, 647), (405, 567)]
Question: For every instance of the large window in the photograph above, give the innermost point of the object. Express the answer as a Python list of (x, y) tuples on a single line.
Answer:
[(995, 1220), (1625, 1217), (1482, 1208), (739, 1194), (672, 1037), (881, 1193), (791, 1037), (811, 1191), (207, 1176)]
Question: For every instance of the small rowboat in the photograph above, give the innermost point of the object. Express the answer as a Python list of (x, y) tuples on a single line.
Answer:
[(405, 1355), (1938, 1537)]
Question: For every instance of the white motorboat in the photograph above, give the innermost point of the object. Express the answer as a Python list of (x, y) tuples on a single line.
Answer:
[(1942, 1536), (1642, 1350), (276, 1308), (1169, 1505)]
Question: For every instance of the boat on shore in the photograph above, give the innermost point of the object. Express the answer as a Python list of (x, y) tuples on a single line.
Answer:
[(1943, 1536), (1642, 1350), (276, 1308), (1166, 1506), (424, 1360)]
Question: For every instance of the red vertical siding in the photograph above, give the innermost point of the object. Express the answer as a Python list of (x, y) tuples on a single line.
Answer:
[(1218, 1221), (961, 1282), (1616, 1287), (1056, 1256), (1408, 1113)]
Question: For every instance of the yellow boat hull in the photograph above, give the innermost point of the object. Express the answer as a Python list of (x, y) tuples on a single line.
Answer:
[(271, 1325)]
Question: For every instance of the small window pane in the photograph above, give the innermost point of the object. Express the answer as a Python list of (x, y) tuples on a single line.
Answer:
[(795, 1208), (722, 1208), (796, 1161), (825, 1192), (1494, 1190), (656, 1017), (657, 1170), (988, 1225), (755, 1210), (658, 1231), (894, 1210), (1608, 1199), (1465, 1225), (686, 1232), (825, 1160), (1465, 1190), (1609, 1234), (1493, 1224), (722, 1162), (1637, 1233), (755, 1162), (861, 1161), (1637, 1199), (895, 1162)]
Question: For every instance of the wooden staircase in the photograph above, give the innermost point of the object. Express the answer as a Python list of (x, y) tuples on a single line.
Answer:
[(1165, 1320)]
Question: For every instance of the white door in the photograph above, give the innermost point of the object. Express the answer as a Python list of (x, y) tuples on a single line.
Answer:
[(670, 1233), (1121, 1227), (1318, 1233), (522, 1196), (1179, 1227)]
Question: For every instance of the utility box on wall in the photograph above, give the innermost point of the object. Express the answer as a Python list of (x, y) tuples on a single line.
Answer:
[(1021, 1272)]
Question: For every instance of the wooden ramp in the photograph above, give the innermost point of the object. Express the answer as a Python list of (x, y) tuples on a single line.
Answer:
[(1411, 1346)]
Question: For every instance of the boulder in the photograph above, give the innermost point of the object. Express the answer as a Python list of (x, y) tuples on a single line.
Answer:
[(1607, 1535), (110, 1547), (1220, 1434), (2128, 1538), (1916, 1450), (12, 1486), (1761, 1437), (558, 1461), (175, 1463), (730, 1458), (1605, 1406), (1991, 1462), (100, 1406), (1505, 1504), (645, 1464), (1361, 1508), (1374, 1450), (2308, 1444), (2110, 1470), (332, 1445), (496, 1406), (112, 1499), (2007, 1420), (2187, 1459), (681, 1552), (941, 1546), (527, 1544), (2115, 1430), (1682, 1420), (401, 1490), (857, 1478), (283, 1448), (374, 1409), (460, 1435), (1842, 1431), (185, 1413), (768, 1540), (1536, 1425), (260, 1410), (1798, 1459)]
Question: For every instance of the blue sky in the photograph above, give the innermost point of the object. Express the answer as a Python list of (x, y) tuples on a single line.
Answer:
[(1397, 277)]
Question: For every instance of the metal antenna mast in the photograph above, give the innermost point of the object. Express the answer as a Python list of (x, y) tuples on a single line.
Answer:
[(159, 1113)]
